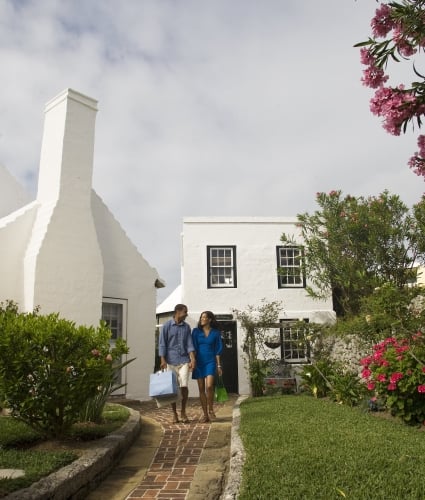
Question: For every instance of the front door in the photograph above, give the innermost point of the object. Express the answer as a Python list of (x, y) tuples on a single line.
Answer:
[(229, 356)]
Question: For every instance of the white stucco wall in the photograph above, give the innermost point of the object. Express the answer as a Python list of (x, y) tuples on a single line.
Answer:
[(128, 276), (256, 239), (15, 232)]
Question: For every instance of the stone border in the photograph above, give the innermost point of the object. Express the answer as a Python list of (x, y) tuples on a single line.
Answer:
[(237, 456), (76, 480)]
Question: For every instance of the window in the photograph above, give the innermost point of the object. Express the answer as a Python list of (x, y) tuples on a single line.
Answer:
[(221, 262), (295, 347), (290, 269), (114, 313)]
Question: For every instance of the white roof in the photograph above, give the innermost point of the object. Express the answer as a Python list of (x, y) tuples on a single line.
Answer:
[(168, 304)]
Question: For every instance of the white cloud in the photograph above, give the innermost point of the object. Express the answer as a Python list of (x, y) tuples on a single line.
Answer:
[(205, 108)]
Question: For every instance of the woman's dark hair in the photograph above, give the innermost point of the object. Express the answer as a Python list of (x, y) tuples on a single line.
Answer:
[(214, 323)]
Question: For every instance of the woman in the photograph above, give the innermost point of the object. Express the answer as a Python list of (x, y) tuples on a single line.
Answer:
[(208, 347)]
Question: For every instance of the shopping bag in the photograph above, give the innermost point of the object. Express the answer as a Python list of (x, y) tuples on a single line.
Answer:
[(220, 391), (163, 401), (163, 384)]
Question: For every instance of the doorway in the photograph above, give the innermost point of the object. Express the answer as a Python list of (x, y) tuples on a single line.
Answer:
[(229, 356)]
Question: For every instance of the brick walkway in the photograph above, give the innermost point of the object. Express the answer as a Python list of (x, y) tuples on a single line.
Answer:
[(174, 464)]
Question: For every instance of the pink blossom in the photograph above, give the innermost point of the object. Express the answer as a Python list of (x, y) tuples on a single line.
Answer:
[(391, 387), (366, 373), (381, 377), (374, 77), (396, 106), (421, 388), (417, 164), (366, 361), (423, 369), (382, 23), (395, 377), (366, 57), (371, 386), (405, 48)]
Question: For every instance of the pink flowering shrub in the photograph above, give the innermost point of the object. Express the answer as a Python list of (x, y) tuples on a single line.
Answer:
[(398, 33), (395, 371)]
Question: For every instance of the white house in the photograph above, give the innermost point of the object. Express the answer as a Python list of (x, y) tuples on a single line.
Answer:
[(66, 253), (231, 262)]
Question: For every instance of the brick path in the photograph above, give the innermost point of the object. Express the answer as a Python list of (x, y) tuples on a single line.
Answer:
[(174, 464)]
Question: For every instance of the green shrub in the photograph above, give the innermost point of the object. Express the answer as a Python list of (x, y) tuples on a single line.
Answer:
[(315, 378), (346, 386), (50, 368)]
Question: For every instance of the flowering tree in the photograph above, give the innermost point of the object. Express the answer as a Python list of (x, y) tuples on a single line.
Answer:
[(353, 245), (398, 30), (396, 371)]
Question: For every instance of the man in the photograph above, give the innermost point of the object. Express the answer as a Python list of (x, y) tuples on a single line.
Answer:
[(177, 353)]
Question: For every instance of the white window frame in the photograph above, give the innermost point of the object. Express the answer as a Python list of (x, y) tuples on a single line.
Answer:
[(226, 273), (290, 269), (295, 347), (121, 333)]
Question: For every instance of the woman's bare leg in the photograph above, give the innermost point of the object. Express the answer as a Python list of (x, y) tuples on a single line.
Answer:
[(203, 398), (210, 394)]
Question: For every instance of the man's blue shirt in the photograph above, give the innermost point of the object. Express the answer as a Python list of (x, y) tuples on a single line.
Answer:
[(175, 342)]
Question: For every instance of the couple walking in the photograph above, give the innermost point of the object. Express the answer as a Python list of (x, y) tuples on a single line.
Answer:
[(198, 352)]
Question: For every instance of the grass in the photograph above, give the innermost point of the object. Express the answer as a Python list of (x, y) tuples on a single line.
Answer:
[(299, 447), (17, 451)]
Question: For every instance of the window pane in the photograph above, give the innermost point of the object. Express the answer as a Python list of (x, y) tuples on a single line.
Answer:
[(112, 314), (290, 267), (295, 346), (221, 270)]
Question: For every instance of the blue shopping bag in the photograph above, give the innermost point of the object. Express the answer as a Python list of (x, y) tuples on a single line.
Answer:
[(163, 384)]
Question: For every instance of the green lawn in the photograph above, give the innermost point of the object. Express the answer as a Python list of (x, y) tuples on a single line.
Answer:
[(16, 439), (299, 447)]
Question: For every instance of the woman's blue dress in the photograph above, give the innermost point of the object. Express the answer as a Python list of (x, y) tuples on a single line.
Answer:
[(206, 348)]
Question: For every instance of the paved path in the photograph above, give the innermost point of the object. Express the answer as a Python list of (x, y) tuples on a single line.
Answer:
[(173, 461)]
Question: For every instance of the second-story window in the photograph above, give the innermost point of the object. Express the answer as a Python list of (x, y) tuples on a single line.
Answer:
[(221, 262), (289, 265)]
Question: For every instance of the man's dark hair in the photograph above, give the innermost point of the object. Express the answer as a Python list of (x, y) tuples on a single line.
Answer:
[(180, 307)]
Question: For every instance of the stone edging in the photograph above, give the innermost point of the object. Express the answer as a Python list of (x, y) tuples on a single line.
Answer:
[(80, 477), (237, 456)]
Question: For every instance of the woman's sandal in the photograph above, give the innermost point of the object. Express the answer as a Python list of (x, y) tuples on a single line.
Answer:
[(205, 420), (184, 419), (212, 414)]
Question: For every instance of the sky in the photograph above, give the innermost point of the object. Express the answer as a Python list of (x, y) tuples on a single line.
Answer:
[(206, 107)]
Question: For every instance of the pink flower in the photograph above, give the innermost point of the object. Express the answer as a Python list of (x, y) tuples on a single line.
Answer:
[(95, 352), (405, 48), (371, 386), (382, 23), (374, 77), (381, 377), (391, 387), (421, 389), (366, 57), (395, 377), (366, 361), (366, 373)]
